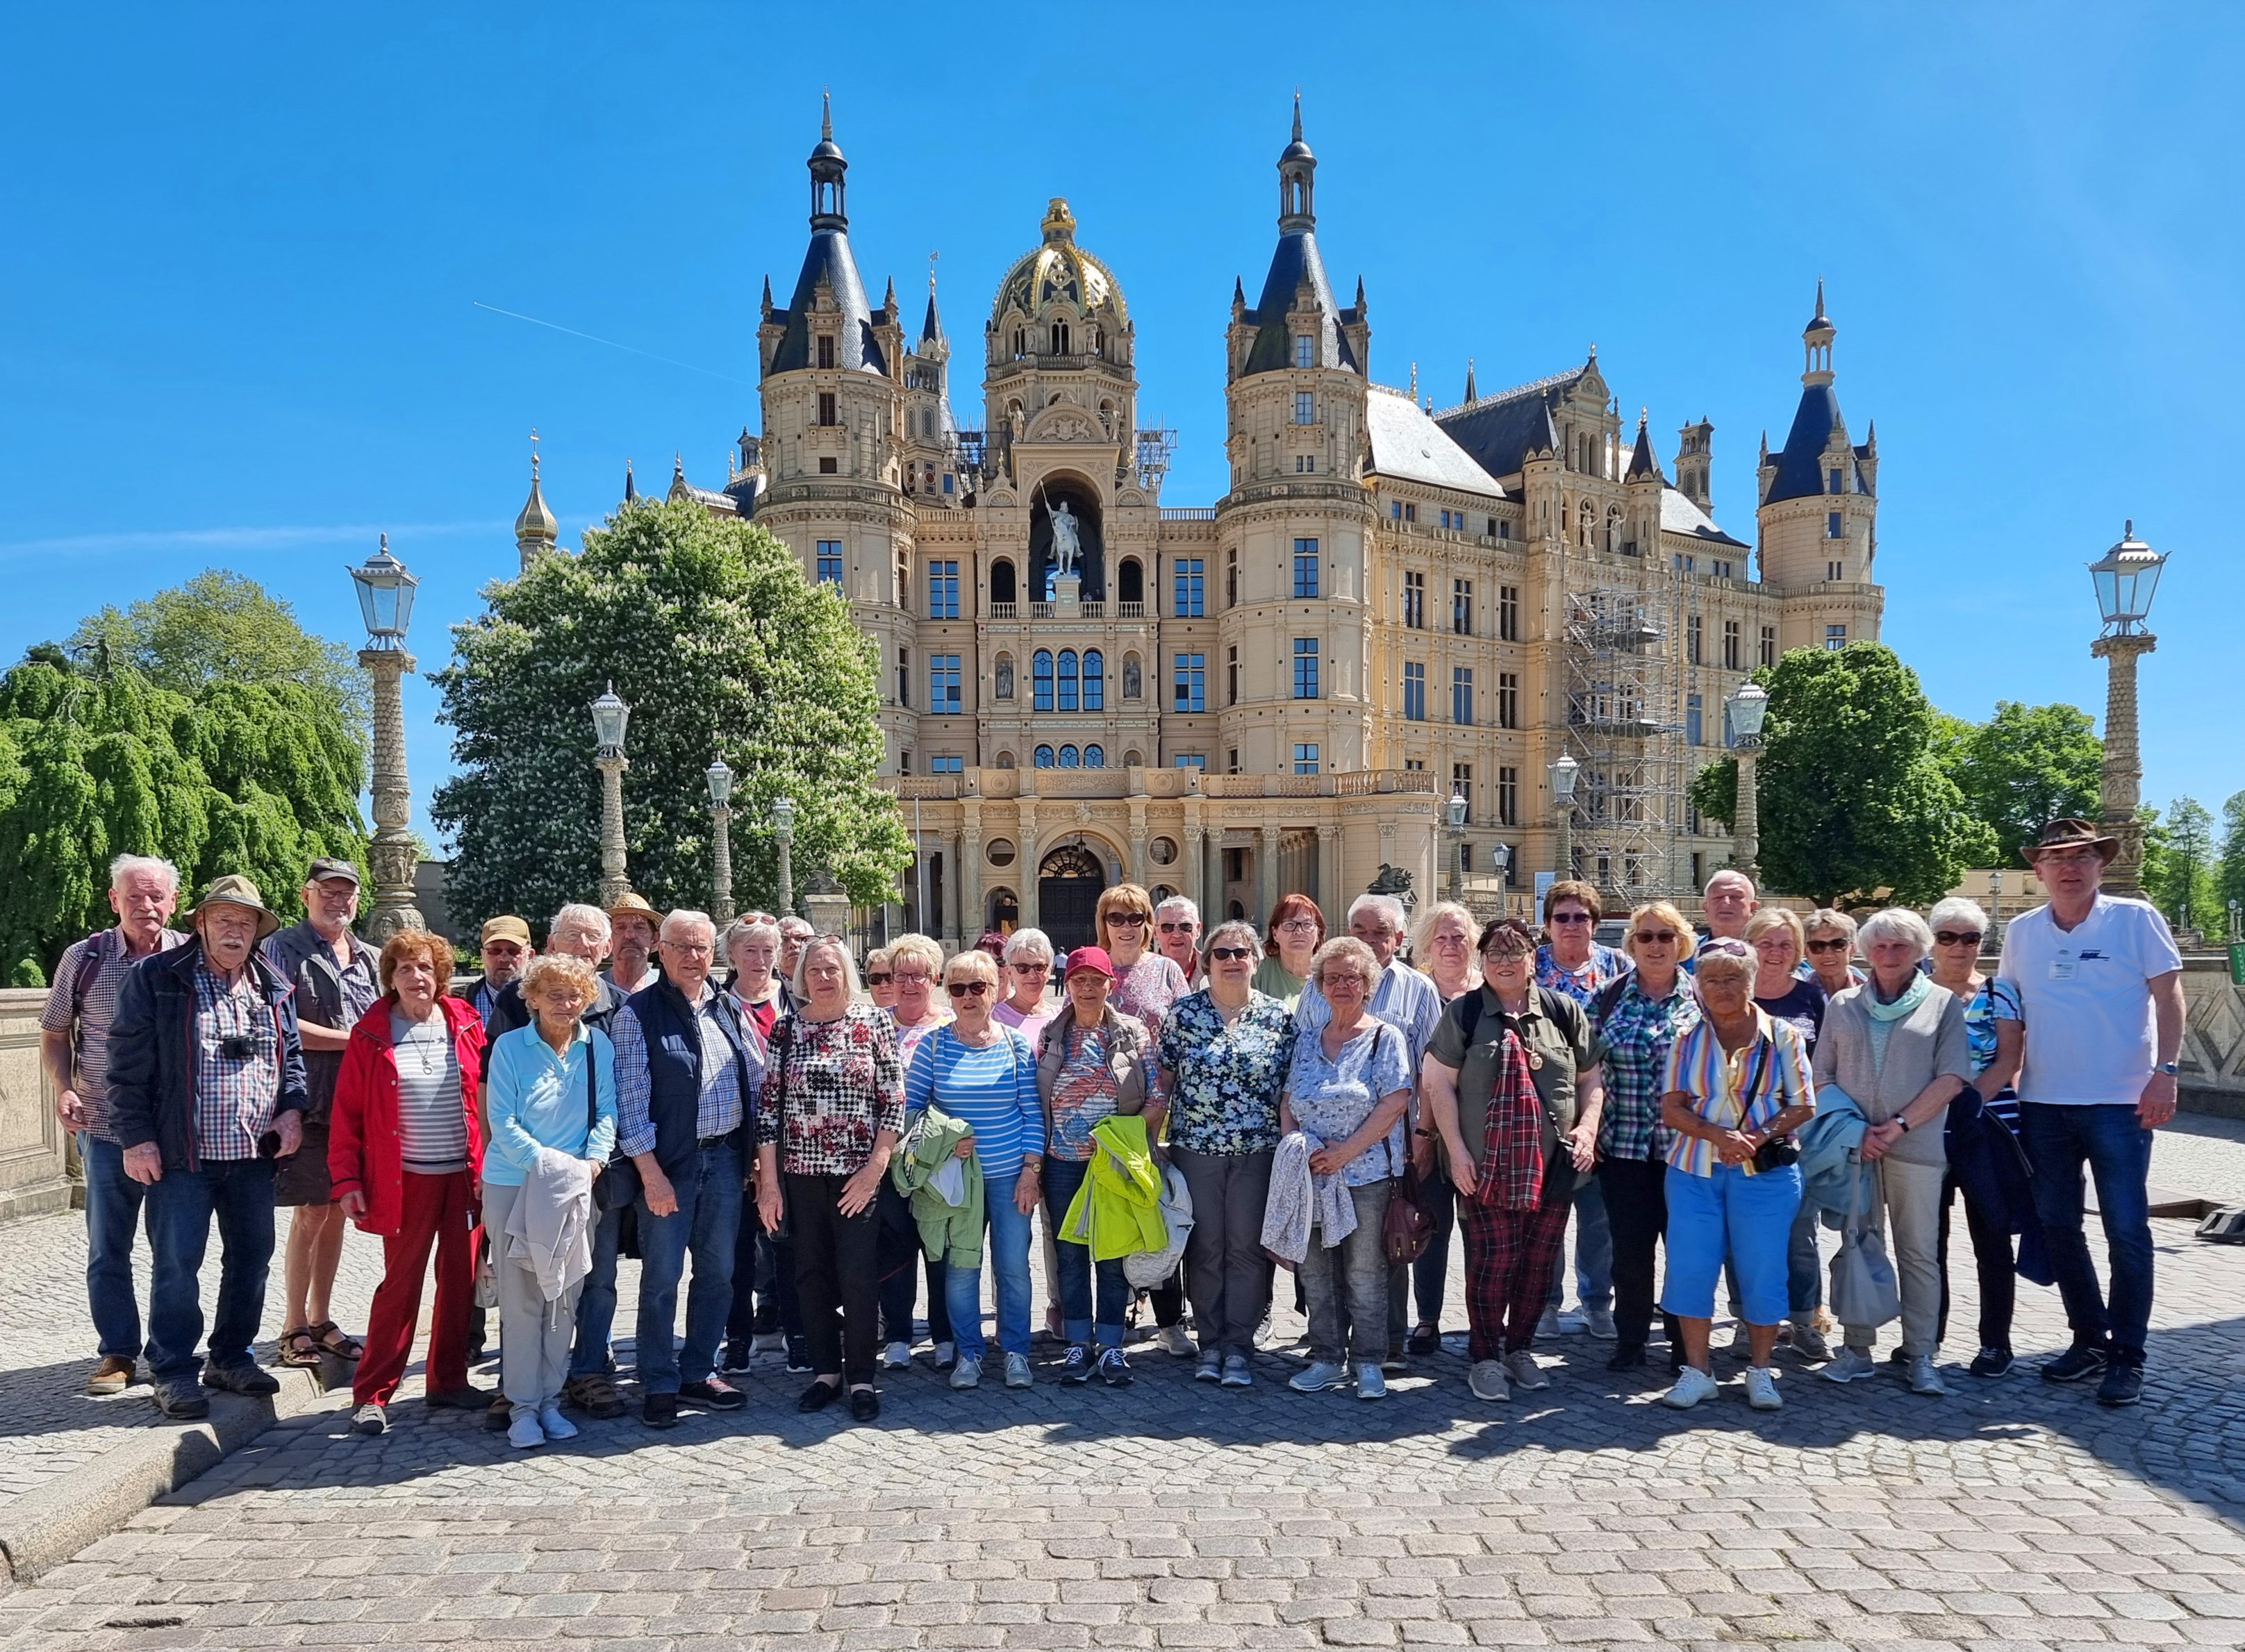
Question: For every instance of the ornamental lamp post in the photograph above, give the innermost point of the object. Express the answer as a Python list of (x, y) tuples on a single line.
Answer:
[(784, 835), (1996, 906), (385, 601), (721, 851), (1455, 810), (1563, 774), (610, 718), (1749, 704), (1501, 857), (2126, 577)]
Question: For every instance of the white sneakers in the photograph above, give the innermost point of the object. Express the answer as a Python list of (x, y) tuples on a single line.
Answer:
[(1487, 1380), (525, 1432), (1693, 1385), (1848, 1364), (1174, 1339), (1520, 1365), (1018, 1374), (1761, 1389), (967, 1373), (551, 1420), (1320, 1375), (897, 1357)]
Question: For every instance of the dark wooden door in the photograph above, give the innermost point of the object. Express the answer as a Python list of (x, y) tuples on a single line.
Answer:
[(1068, 886)]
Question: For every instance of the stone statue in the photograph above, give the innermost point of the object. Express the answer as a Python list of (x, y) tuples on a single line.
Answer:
[(1395, 881), (1066, 545)]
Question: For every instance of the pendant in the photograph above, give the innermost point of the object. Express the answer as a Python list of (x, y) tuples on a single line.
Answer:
[(1534, 1061)]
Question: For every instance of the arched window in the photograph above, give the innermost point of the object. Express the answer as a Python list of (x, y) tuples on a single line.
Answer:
[(1130, 582), (1094, 757), (1020, 342), (1068, 757), (1059, 338), (1002, 588), (1133, 760), (1067, 680), (1005, 760), (1094, 681), (1042, 671), (1044, 757), (1134, 677), (1005, 674)]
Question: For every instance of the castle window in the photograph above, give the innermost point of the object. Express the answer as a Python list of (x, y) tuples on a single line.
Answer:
[(1021, 348), (1190, 760), (1306, 408), (1060, 347), (943, 685), (1500, 529), (826, 414), (1414, 691), (825, 351), (1094, 757), (1069, 757), (1306, 567), (947, 765), (1461, 705), (1191, 684), (1305, 668), (1305, 463), (1461, 606), (1044, 757), (904, 676), (1002, 581), (1461, 785), (1691, 650), (1067, 681), (943, 590), (1832, 528), (1305, 350), (1508, 613), (1834, 571), (830, 562), (1508, 799), (1507, 700), (1231, 675), (1305, 758), (1733, 645), (1131, 585), (1095, 681), (1835, 638), (1188, 605), (1769, 645), (829, 466), (1415, 601), (1040, 681), (1695, 720), (1231, 578), (1834, 482)]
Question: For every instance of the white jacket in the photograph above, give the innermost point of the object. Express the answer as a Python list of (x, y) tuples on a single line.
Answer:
[(1300, 1200), (550, 1230)]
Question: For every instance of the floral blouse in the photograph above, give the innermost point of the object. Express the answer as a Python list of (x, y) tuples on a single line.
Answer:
[(1331, 1100), (832, 1087), (1222, 1083), (1147, 990)]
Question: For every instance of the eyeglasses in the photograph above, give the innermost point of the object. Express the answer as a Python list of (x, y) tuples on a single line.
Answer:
[(1512, 954), (917, 977), (1568, 918), (1225, 954), (1029, 968), (881, 978), (968, 989), (1178, 929), (1657, 937), (1346, 977), (1954, 938), (1298, 926), (1828, 946)]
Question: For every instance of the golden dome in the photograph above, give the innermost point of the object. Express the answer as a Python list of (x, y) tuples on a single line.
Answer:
[(537, 521), (1059, 271)]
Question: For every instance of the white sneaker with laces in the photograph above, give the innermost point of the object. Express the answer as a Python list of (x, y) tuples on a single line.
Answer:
[(1850, 1363), (555, 1426), (1317, 1378), (1174, 1339), (1761, 1389), (1924, 1380), (1487, 1380), (1520, 1365), (1018, 1374), (1692, 1386), (967, 1373), (897, 1357)]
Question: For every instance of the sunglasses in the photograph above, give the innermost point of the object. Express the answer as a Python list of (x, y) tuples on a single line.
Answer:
[(1225, 954), (1178, 929), (1657, 937), (881, 978), (1127, 920), (1029, 969), (968, 989), (1955, 937), (1568, 918), (1828, 946)]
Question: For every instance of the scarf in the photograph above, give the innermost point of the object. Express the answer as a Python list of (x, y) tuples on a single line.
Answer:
[(1909, 998), (1512, 1141)]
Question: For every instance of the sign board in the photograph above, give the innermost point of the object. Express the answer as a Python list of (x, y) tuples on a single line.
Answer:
[(2237, 963), (1544, 882)]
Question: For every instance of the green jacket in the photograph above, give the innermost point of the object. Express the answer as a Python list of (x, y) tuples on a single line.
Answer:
[(1118, 1210), (950, 1233)]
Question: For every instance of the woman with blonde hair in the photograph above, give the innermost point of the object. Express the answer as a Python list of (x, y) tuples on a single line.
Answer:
[(916, 970), (881, 984), (1442, 950), (1146, 983)]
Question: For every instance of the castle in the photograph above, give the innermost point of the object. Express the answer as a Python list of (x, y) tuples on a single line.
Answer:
[(1393, 607)]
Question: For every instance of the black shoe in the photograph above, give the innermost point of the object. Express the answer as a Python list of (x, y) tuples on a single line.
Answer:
[(2123, 1384), (798, 1356), (464, 1399), (736, 1357), (1896, 1356), (712, 1393), (660, 1410), (251, 1380), (817, 1396), (1423, 1340), (865, 1404), (2083, 1360), (1626, 1358), (179, 1398), (1116, 1368), (1991, 1362), (1076, 1366), (498, 1415), (1394, 1364)]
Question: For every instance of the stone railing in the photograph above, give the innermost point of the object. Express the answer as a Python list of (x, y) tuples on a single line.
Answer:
[(34, 1165), (2213, 1038)]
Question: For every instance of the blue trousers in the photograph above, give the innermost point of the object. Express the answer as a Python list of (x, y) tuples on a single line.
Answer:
[(115, 1205), (1063, 1177), (2117, 1150), (1005, 1253), (1593, 1252), (707, 1222), (1730, 1215), (596, 1302), (180, 1204)]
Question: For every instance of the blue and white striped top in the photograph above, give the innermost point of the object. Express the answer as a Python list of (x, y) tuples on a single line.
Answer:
[(993, 1090)]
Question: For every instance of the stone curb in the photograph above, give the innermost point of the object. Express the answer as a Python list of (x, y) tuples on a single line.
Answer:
[(44, 1528)]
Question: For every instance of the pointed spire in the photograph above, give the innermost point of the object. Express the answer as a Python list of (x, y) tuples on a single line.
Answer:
[(826, 114), (1470, 396), (889, 299), (631, 487), (768, 303), (1415, 384), (536, 528), (1820, 316), (931, 329), (1298, 114), (1642, 464)]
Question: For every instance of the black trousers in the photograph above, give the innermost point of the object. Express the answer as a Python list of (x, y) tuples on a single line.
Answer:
[(1636, 1206), (1994, 1260), (837, 1275), (902, 1263), (763, 1282), (1438, 1197)]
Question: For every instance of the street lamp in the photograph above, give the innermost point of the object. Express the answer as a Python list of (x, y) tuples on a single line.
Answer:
[(784, 835), (385, 600), (1749, 704), (1562, 773), (1996, 905), (1501, 857), (2126, 577), (1456, 810), (610, 718), (721, 849)]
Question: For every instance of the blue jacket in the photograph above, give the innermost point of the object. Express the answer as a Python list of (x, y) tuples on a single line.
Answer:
[(674, 1070), (152, 1059), (1991, 1168), (1830, 1167)]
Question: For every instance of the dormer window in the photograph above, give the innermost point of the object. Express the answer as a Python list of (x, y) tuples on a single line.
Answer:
[(825, 351), (1835, 481), (1306, 350), (1832, 528)]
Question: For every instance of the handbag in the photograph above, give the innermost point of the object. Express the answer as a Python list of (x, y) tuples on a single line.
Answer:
[(1406, 1229), (1865, 1293)]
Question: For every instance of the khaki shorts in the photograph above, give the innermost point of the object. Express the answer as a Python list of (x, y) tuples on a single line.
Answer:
[(301, 1178)]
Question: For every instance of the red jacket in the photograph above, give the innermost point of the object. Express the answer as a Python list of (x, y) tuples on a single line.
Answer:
[(365, 1155)]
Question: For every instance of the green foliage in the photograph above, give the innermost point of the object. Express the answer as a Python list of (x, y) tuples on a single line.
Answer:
[(27, 972), (709, 631), (1714, 793), (1853, 797), (2179, 866), (2229, 872), (2024, 767)]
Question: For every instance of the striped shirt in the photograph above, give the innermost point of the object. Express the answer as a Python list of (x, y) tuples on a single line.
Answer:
[(993, 1090), (235, 1094), (432, 1126), (90, 1013), (1743, 1091)]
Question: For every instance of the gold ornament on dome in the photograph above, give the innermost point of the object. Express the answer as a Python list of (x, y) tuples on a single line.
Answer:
[(1059, 271)]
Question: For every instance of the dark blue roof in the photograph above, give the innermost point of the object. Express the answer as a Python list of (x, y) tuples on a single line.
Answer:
[(1295, 261), (1501, 431), (1801, 464), (829, 258)]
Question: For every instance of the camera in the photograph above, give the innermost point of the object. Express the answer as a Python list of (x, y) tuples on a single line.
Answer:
[(238, 1047)]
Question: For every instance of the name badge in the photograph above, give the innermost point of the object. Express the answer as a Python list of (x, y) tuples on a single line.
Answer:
[(2065, 967)]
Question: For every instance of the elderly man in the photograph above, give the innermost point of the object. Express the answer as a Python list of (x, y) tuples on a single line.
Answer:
[(505, 943), (1571, 961), (1727, 902), (795, 934), (206, 1089), (74, 1042), (2100, 980), (1176, 936), (687, 1077), (632, 925), (336, 976)]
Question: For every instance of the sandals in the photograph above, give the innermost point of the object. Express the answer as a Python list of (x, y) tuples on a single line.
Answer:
[(329, 1337), (300, 1349)]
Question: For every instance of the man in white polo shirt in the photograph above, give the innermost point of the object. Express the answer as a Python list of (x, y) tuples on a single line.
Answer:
[(2100, 982)]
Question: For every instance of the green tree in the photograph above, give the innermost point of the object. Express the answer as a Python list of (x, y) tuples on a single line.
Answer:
[(2179, 866), (2024, 767), (2229, 874), (709, 631), (1714, 792)]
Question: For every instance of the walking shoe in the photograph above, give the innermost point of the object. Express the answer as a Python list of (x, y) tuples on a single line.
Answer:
[(594, 1394), (553, 1424), (1114, 1370), (181, 1399), (112, 1375), (1395, 1362), (1075, 1367), (1370, 1385), (1626, 1358), (241, 1379), (1924, 1380), (865, 1404), (466, 1399), (1520, 1365), (1018, 1374), (1692, 1386), (1601, 1322), (1808, 1343), (2123, 1384), (1211, 1368), (657, 1410), (522, 1431), (1991, 1362), (1548, 1325), (370, 1418), (1573, 1322), (1174, 1339), (1896, 1357), (712, 1393), (1486, 1380), (1850, 1363), (1322, 1374), (817, 1396), (1263, 1330), (1761, 1389), (1741, 1340), (498, 1415), (943, 1356), (897, 1357), (768, 1342), (967, 1373), (738, 1357), (1236, 1373), (1423, 1339), (798, 1356), (2083, 1360)]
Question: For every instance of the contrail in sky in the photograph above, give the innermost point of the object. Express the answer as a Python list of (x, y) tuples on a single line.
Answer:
[(610, 342), (239, 538)]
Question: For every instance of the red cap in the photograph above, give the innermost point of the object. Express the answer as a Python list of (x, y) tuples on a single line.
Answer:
[(1091, 957)]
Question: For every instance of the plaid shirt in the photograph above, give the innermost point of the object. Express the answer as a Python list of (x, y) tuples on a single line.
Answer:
[(88, 1016), (1741, 1091), (234, 1095), (831, 1088), (1633, 1043), (718, 1110)]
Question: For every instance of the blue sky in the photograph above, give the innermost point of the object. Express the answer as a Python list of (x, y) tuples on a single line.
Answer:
[(243, 250)]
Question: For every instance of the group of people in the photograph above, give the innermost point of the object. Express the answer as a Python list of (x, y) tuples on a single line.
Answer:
[(1193, 1111)]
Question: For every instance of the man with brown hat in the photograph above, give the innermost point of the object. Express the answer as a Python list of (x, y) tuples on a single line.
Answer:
[(505, 943), (206, 1090), (633, 926), (2099, 979)]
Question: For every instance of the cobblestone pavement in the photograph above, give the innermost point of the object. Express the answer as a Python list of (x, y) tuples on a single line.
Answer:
[(2010, 1515)]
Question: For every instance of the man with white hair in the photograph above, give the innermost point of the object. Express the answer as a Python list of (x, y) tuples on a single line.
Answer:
[(1727, 902), (1176, 935), (144, 892), (795, 934)]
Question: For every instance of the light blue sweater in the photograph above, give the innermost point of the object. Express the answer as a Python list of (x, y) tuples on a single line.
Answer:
[(536, 1098)]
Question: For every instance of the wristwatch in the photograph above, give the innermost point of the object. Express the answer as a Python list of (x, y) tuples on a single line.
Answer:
[(1904, 1122), (2171, 1068)]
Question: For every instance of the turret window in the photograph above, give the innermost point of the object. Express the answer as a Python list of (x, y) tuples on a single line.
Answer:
[(830, 562), (1835, 638), (1305, 758), (1231, 578), (1306, 408), (1835, 571), (1021, 348), (825, 351), (1305, 350), (1306, 668), (1059, 339), (1306, 567), (1832, 528), (827, 414), (1835, 481)]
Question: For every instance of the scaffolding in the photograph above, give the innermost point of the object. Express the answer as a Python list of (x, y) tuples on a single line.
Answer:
[(1623, 728)]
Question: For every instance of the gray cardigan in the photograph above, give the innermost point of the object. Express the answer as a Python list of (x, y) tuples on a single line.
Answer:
[(1928, 1042)]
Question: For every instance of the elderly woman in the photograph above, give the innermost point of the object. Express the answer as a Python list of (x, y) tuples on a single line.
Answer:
[(1220, 1064), (1737, 1085), (1783, 993), (1897, 1046), (765, 1312), (552, 1092), (1093, 1066), (1027, 968), (1831, 945), (403, 1153), (984, 1075), (916, 966), (1348, 1088), (753, 950), (1298, 928), (1514, 1092), (880, 980), (1146, 983), (1636, 1026), (832, 1107), (1572, 961), (1442, 949)]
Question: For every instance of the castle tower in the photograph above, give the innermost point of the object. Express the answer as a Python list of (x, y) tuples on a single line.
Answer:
[(1695, 458)]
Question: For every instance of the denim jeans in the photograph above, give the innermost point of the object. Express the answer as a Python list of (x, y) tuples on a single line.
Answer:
[(1593, 1252), (2116, 1149), (596, 1300), (707, 1222), (1005, 1253), (239, 1192), (1438, 1195), (114, 1207), (1074, 1269), (1346, 1283)]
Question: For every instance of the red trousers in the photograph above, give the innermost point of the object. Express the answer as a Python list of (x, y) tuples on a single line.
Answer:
[(1510, 1255), (439, 1211)]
